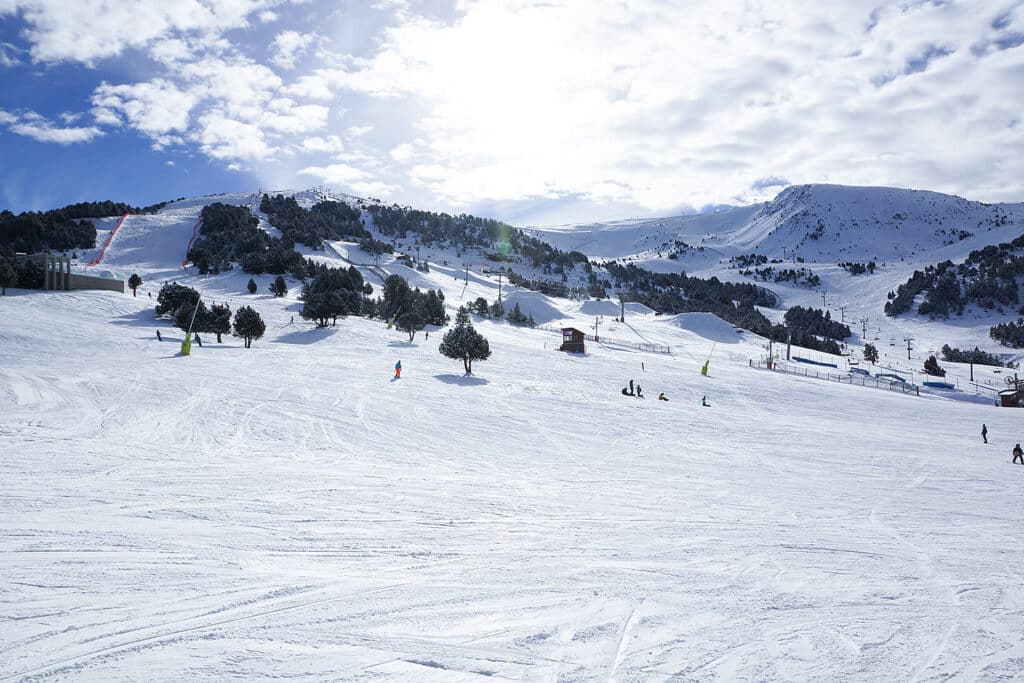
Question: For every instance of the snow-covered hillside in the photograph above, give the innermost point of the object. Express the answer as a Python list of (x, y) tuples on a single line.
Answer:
[(815, 228), (819, 223), (289, 511)]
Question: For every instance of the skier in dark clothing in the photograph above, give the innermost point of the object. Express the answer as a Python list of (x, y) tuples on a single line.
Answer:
[(199, 341), (639, 393), (1018, 454), (630, 387), (704, 401), (984, 433)]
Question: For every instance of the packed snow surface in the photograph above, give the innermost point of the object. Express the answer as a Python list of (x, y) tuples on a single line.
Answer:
[(289, 511)]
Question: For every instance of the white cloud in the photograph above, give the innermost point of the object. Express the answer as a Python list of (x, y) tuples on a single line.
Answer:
[(9, 55), (156, 108), (32, 125), (89, 30), (648, 103), (336, 174), (289, 46), (223, 137), (330, 143), (664, 104), (402, 153)]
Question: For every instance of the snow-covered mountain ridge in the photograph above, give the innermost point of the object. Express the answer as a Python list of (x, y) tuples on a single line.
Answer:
[(819, 223)]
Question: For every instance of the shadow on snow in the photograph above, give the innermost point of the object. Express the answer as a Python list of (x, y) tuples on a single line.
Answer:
[(462, 380)]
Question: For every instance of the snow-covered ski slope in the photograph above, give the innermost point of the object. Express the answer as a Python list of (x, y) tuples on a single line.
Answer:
[(901, 230), (290, 512)]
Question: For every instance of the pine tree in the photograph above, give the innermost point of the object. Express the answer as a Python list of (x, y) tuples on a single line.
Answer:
[(134, 282), (931, 367), (279, 287), (249, 325), (480, 307), (397, 296), (172, 296), (410, 323), (251, 286), (8, 276), (497, 310), (464, 343), (220, 320), (870, 353), (515, 316), (316, 307), (192, 316)]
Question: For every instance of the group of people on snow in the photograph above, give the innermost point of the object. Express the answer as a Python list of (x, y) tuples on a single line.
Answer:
[(1018, 452), (628, 391)]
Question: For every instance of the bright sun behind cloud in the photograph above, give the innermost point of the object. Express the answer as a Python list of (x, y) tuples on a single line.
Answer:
[(649, 105)]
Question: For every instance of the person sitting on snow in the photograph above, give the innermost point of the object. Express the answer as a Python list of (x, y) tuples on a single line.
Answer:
[(661, 396)]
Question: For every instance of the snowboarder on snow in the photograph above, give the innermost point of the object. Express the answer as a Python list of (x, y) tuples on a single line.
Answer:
[(704, 401), (626, 392), (158, 337), (661, 396), (398, 370), (199, 341), (984, 433), (630, 387), (1018, 454), (639, 393)]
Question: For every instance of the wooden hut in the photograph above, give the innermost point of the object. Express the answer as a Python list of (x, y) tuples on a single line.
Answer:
[(572, 340)]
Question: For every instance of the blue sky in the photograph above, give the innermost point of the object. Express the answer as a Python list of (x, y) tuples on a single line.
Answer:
[(533, 111)]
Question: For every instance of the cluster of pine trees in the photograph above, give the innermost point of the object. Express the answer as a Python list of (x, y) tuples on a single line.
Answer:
[(229, 234), (496, 311), (183, 306), (749, 260), (410, 310), (332, 293), (988, 277), (32, 231), (859, 268), (735, 303), (1009, 334), (327, 220), (498, 240), (798, 276), (977, 356), (816, 321), (60, 229)]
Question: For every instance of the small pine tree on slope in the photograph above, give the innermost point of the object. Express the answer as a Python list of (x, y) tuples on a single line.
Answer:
[(134, 282), (251, 286), (932, 367), (410, 323), (279, 287), (249, 325), (220, 320), (464, 343)]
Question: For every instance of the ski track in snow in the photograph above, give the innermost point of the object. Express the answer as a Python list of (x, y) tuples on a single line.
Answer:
[(289, 512)]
